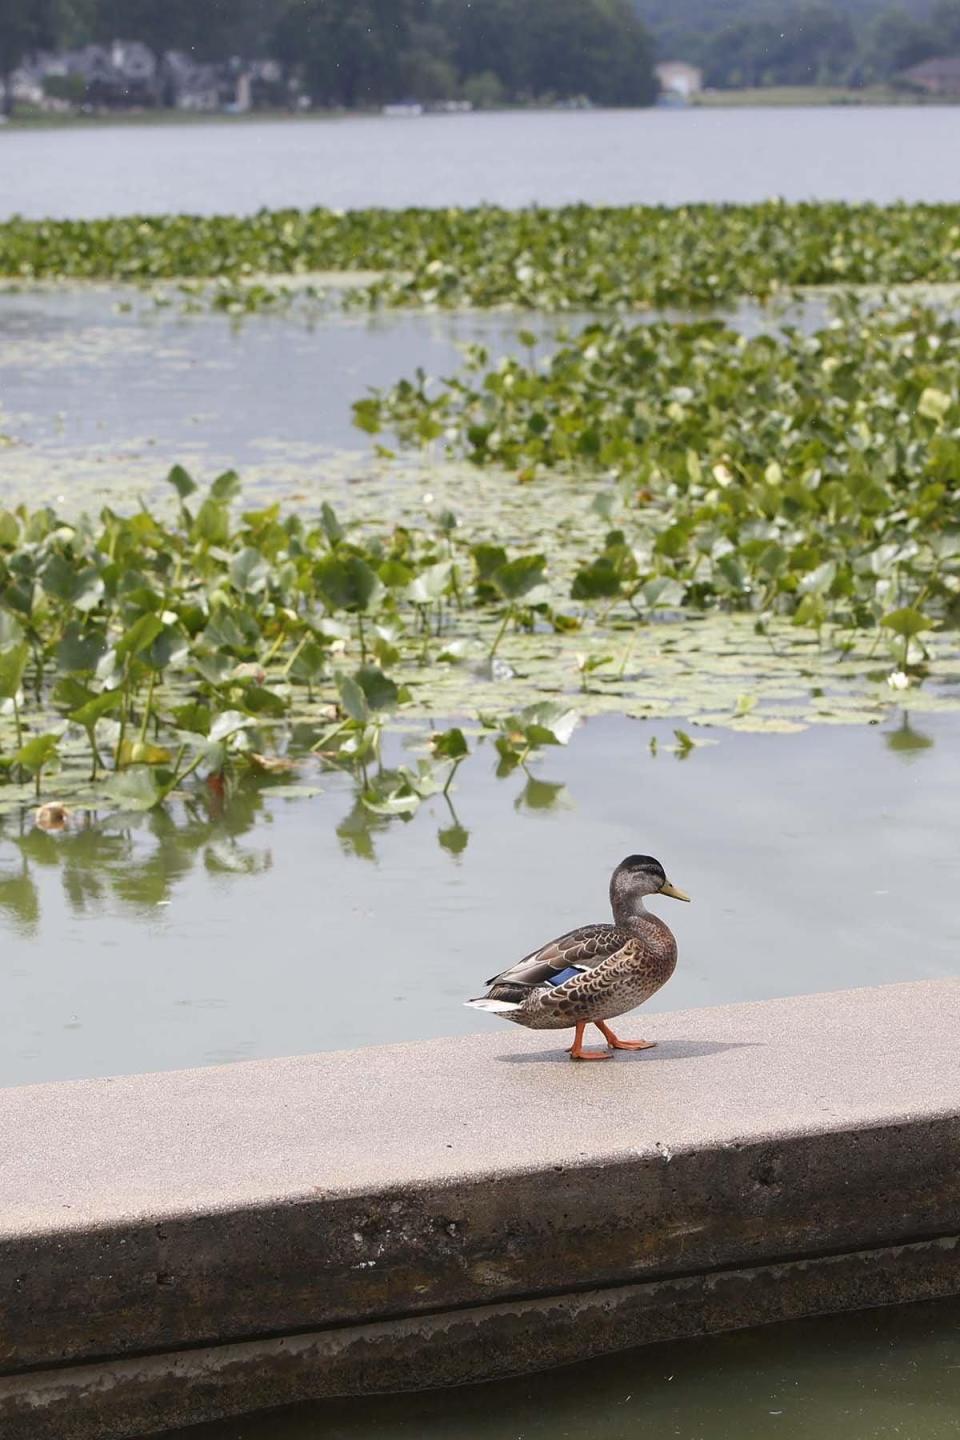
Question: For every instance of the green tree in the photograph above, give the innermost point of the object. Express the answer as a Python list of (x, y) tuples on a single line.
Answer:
[(488, 38), (945, 24), (208, 29), (484, 91), (742, 54), (894, 41), (817, 45), (27, 25), (596, 48), (426, 69), (351, 52)]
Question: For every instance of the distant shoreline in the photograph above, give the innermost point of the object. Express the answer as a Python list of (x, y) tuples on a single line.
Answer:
[(785, 96), (818, 95)]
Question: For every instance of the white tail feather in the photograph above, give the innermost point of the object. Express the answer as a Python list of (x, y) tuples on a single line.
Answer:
[(497, 1007)]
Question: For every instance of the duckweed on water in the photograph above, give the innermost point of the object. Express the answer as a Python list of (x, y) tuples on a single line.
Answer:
[(577, 256)]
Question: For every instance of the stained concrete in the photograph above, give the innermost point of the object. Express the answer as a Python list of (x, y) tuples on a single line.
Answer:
[(392, 1186)]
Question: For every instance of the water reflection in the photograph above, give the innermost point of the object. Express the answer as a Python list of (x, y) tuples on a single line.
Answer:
[(136, 860), (906, 741), (277, 918)]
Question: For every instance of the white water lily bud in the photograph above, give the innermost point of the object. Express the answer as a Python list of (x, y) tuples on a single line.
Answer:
[(897, 680)]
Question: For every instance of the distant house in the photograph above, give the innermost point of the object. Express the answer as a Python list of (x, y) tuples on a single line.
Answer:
[(187, 84), (679, 79), (135, 70), (26, 82), (123, 73), (128, 73), (94, 67), (939, 76)]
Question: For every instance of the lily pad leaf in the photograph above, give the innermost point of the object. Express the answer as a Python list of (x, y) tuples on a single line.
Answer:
[(450, 744), (907, 621), (519, 577), (380, 692), (226, 487), (141, 633), (93, 710), (346, 582), (352, 699), (135, 789), (81, 648), (181, 481), (37, 753), (13, 663)]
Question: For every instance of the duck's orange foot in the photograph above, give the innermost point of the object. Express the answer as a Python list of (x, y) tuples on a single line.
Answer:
[(616, 1043), (577, 1051)]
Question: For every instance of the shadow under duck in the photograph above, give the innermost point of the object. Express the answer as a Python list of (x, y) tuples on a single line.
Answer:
[(596, 972)]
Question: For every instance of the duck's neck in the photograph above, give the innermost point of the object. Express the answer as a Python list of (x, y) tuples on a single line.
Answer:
[(630, 911)]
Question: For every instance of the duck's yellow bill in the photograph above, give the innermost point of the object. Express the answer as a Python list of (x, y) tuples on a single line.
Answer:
[(667, 889)]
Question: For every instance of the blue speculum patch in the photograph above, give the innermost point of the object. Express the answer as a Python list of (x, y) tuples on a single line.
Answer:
[(567, 974)]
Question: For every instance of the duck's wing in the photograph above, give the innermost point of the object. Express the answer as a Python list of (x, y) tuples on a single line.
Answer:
[(580, 949)]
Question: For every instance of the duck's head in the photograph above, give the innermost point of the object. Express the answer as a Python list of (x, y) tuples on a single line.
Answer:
[(635, 877)]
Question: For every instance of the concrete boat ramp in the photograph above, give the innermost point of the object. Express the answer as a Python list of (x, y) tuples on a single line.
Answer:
[(182, 1246)]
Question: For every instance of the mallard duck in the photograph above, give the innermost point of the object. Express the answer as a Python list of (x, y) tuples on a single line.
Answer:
[(596, 972)]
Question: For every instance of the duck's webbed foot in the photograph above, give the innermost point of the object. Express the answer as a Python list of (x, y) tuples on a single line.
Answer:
[(577, 1051), (616, 1043)]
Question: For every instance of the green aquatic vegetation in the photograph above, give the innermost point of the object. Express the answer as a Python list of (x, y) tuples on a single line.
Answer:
[(154, 648), (576, 256), (201, 641), (809, 476)]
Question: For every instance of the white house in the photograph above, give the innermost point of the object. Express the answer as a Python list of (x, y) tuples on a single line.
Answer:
[(677, 78), (134, 62)]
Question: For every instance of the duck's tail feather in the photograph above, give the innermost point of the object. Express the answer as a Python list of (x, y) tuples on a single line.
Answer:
[(497, 1007)]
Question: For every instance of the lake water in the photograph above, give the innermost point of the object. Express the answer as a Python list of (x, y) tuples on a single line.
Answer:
[(283, 926), (609, 157), (260, 925), (129, 945), (882, 1375), (97, 382)]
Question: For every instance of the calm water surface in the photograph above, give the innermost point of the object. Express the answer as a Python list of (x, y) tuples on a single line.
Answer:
[(881, 1375), (550, 158), (97, 381), (281, 926)]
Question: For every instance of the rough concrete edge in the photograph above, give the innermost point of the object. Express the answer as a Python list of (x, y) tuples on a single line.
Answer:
[(791, 1211), (153, 1394), (231, 1209)]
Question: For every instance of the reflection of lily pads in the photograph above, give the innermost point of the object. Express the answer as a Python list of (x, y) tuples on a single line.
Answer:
[(907, 741)]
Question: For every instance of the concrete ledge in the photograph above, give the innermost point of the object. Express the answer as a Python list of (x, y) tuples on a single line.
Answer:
[(438, 1212), (147, 1396)]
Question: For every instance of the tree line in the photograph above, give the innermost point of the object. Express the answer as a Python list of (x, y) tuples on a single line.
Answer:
[(775, 42), (366, 52)]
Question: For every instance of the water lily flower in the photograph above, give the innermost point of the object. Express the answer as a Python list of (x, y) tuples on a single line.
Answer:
[(897, 680)]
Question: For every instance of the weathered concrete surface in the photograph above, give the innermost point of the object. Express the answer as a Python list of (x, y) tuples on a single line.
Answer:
[(146, 1396), (208, 1207)]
